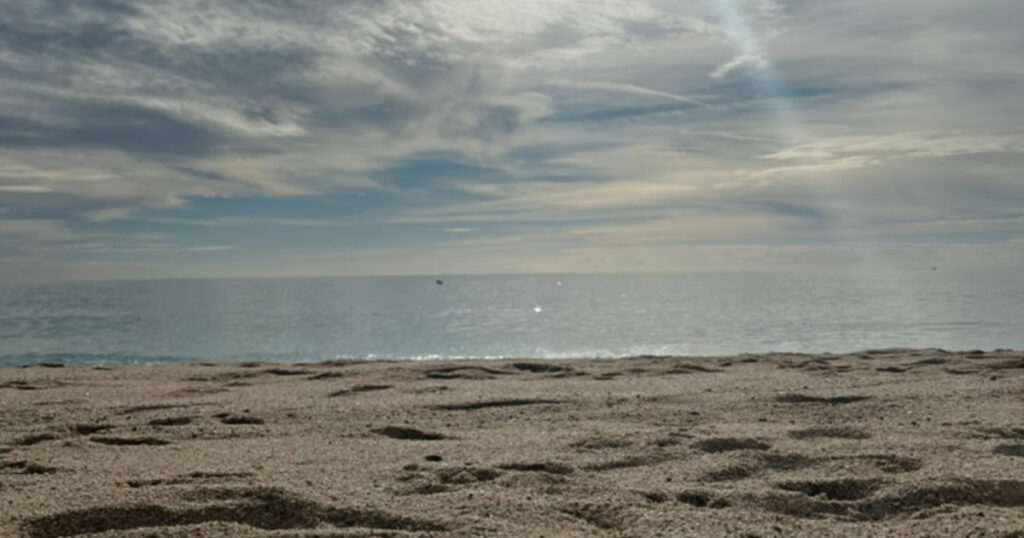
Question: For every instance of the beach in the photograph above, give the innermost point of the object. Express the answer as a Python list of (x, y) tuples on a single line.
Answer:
[(877, 443)]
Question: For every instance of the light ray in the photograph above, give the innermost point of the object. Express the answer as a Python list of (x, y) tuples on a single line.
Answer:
[(765, 78), (772, 92)]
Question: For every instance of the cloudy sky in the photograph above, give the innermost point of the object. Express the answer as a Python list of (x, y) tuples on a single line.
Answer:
[(294, 137)]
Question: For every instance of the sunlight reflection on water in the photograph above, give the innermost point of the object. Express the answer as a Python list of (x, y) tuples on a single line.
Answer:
[(495, 316)]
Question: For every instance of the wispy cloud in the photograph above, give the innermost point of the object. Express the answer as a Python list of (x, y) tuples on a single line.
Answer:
[(383, 126), (209, 248), (625, 88), (25, 189)]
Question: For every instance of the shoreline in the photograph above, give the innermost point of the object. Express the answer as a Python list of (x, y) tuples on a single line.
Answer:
[(881, 442), (164, 361)]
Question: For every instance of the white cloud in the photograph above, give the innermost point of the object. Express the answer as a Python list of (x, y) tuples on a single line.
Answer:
[(25, 189), (902, 144), (742, 60), (625, 88), (548, 201), (573, 113), (723, 225)]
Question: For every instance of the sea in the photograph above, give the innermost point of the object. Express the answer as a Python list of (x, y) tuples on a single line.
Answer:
[(296, 320)]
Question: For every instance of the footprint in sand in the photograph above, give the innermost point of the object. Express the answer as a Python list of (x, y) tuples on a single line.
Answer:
[(465, 372), (796, 398), (1002, 433), (409, 434), (130, 441), (61, 432), (171, 421), (419, 481), (887, 463), (602, 442), (1010, 450), (756, 463), (730, 473), (540, 467), (511, 402), (190, 478), (639, 460), (605, 516), (261, 508), (35, 438), (357, 389), (836, 432), (25, 467), (860, 500), (702, 499), (726, 444), (233, 419), (845, 489), (540, 367)]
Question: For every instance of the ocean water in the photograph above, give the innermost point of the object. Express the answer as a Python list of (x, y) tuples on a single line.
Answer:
[(315, 319)]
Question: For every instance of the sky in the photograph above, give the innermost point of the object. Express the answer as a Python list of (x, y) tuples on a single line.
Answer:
[(297, 138)]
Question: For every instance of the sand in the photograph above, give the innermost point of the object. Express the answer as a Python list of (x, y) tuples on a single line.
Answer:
[(881, 443)]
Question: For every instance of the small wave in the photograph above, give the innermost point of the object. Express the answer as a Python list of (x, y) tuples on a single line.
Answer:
[(90, 359), (126, 359)]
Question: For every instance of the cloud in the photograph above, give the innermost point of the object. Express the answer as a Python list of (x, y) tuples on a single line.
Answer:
[(41, 240), (626, 88), (901, 145), (598, 123), (743, 60), (263, 99), (25, 189), (209, 248), (32, 230)]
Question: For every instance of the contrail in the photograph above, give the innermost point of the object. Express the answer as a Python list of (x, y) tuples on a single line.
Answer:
[(627, 88)]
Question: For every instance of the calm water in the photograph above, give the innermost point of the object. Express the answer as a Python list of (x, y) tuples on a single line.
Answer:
[(494, 316)]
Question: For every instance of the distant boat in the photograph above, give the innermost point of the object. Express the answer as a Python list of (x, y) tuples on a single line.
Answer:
[(439, 282)]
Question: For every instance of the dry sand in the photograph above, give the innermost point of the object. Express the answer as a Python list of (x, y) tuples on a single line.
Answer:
[(891, 443)]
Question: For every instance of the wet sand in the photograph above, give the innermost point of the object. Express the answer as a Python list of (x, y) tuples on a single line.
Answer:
[(884, 443)]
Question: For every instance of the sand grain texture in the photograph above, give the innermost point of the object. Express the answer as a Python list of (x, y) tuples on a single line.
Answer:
[(880, 443)]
